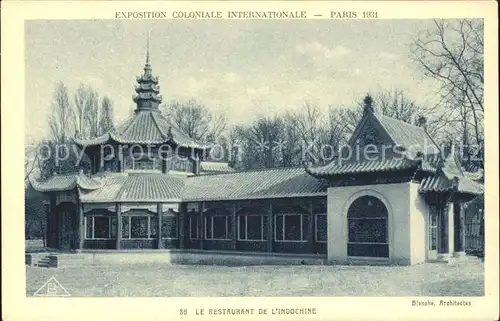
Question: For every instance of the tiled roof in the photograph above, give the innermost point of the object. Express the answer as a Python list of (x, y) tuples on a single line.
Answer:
[(465, 185), (352, 166), (177, 135), (431, 162), (477, 176), (145, 127), (437, 183), (65, 182), (407, 135), (141, 128), (216, 167), (137, 188), (411, 138), (267, 183), (440, 183)]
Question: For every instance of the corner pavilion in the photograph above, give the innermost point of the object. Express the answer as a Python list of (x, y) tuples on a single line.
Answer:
[(403, 208)]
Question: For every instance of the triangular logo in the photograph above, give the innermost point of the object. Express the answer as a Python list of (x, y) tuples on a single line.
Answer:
[(52, 288)]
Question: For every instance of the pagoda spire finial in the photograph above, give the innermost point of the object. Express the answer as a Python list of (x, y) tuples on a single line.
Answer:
[(147, 50)]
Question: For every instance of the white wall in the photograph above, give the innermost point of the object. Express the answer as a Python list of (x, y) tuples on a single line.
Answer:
[(396, 198), (419, 233)]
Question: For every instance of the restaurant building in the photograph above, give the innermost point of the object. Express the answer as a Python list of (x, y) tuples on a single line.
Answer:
[(403, 204)]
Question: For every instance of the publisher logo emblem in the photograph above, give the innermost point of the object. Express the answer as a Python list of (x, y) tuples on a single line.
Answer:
[(52, 288)]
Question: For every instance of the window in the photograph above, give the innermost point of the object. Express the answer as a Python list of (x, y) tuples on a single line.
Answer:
[(153, 227), (321, 228), (145, 163), (100, 227), (433, 228), (194, 233), (126, 227), (217, 227), (139, 227), (289, 227), (367, 228), (180, 164), (251, 227), (169, 226)]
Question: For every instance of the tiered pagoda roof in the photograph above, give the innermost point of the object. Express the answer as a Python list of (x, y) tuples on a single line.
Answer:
[(147, 125)]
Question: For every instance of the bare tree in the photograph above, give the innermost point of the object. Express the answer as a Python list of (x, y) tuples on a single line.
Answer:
[(291, 144), (195, 120), (260, 143), (80, 101), (106, 116), (92, 114), (396, 104), (452, 54), (60, 119), (91, 118), (30, 160)]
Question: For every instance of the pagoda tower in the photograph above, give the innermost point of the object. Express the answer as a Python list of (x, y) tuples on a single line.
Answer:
[(148, 91)]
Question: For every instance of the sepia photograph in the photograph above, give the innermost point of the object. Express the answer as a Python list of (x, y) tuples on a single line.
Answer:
[(255, 158)]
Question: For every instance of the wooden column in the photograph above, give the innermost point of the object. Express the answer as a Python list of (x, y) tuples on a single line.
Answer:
[(451, 228), (159, 211), (310, 227), (81, 226), (459, 227), (118, 226), (201, 224), (234, 233), (196, 165), (180, 227), (101, 162), (51, 221), (120, 158), (270, 227)]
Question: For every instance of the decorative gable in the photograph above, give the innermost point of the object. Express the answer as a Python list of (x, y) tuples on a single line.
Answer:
[(369, 132)]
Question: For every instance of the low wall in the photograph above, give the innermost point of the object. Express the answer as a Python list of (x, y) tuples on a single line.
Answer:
[(177, 257)]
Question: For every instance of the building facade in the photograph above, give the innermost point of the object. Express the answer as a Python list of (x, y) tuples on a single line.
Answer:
[(400, 201)]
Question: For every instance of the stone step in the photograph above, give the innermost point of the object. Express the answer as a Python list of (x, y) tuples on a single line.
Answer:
[(43, 262), (42, 265)]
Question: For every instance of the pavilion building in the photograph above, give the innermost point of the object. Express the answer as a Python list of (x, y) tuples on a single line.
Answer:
[(402, 202)]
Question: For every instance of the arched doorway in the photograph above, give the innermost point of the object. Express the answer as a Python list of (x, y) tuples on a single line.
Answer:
[(367, 220)]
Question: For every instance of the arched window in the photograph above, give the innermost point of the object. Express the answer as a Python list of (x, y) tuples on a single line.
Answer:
[(368, 230)]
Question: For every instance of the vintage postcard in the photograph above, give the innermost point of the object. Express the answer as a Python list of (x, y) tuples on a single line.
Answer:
[(250, 160)]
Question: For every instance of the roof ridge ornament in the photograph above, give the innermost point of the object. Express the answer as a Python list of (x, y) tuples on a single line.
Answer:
[(368, 104)]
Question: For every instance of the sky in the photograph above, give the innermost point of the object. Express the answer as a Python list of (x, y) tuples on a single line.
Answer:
[(241, 68)]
